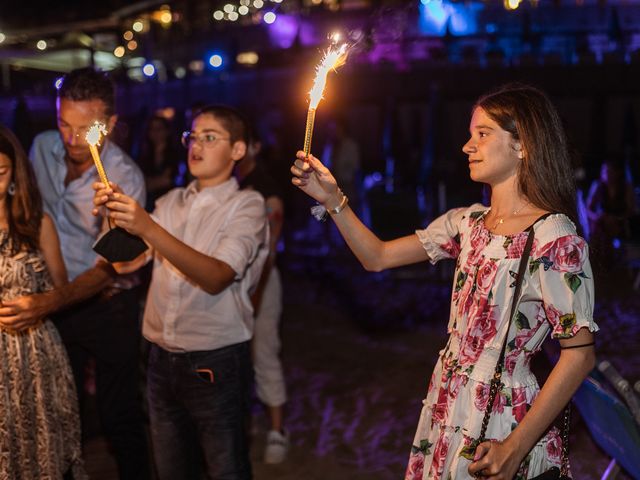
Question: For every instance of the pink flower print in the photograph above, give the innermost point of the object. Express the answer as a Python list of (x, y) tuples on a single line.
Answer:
[(465, 297), (439, 409), (563, 326), (431, 383), (567, 253), (510, 361), (439, 458), (471, 350), (553, 314), (482, 330), (415, 467), (500, 402), (522, 337), (482, 396), (519, 403), (451, 247), (455, 384), (478, 240), (515, 245), (485, 277), (554, 446)]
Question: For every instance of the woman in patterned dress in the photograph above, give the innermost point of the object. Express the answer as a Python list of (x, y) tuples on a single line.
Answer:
[(39, 422), (517, 146)]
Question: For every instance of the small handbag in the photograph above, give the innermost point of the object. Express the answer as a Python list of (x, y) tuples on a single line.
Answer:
[(553, 473)]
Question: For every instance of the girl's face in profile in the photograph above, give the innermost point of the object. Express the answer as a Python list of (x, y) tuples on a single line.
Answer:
[(493, 154), (6, 170)]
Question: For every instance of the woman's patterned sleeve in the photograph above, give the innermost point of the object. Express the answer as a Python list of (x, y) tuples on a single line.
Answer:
[(441, 238), (566, 284)]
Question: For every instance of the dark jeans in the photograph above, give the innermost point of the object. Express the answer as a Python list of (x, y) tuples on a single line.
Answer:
[(198, 405), (108, 330)]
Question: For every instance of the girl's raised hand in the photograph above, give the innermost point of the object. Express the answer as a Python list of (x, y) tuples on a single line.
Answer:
[(313, 178)]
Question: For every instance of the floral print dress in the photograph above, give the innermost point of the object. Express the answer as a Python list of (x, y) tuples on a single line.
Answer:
[(556, 298), (39, 421)]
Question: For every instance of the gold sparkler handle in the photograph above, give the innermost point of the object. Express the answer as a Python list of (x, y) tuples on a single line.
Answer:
[(311, 116), (98, 163)]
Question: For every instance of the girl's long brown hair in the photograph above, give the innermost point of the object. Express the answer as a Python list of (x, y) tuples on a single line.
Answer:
[(24, 207), (545, 174)]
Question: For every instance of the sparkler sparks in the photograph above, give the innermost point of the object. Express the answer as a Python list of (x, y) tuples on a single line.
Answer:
[(93, 137), (333, 59)]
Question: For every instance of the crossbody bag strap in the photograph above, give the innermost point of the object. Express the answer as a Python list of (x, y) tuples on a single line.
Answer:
[(496, 383)]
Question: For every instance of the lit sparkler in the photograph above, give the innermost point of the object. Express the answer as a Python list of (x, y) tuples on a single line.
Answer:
[(333, 59), (93, 137)]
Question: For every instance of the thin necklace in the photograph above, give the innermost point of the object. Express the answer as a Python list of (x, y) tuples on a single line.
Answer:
[(500, 220)]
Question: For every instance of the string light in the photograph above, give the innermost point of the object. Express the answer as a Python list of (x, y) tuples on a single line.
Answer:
[(232, 12), (119, 51), (247, 58), (215, 61), (41, 45), (149, 70), (3, 37), (511, 4)]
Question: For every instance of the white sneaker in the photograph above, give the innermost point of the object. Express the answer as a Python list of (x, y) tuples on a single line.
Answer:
[(277, 447)]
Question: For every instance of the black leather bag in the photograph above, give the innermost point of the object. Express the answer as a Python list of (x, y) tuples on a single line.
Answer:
[(552, 474)]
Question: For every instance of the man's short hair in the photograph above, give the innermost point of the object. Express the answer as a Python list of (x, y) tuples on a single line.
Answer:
[(86, 84)]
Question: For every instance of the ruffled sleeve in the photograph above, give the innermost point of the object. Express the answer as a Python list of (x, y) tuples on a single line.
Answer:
[(561, 260), (441, 238)]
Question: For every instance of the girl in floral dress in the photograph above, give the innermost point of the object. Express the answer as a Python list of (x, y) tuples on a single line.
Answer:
[(39, 422), (517, 146)]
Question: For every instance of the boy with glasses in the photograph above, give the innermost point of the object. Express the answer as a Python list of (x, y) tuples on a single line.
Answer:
[(209, 243)]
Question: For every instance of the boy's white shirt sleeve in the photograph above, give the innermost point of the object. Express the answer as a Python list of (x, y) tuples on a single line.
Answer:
[(244, 234)]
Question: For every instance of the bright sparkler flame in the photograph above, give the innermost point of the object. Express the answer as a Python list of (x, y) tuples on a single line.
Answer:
[(95, 133), (332, 60)]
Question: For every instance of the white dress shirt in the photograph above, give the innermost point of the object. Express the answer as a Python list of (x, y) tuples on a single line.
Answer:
[(222, 222)]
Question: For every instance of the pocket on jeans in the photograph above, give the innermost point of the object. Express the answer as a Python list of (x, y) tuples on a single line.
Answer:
[(214, 369)]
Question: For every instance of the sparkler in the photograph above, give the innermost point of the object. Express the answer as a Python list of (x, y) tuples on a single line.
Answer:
[(333, 59), (93, 137)]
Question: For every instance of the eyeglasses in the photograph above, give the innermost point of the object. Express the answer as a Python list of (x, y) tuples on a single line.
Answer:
[(207, 140)]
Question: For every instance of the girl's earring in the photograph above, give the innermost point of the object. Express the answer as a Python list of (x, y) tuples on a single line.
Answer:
[(12, 189), (520, 154)]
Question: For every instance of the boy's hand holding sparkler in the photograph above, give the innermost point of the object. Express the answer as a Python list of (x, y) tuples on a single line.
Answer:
[(123, 210)]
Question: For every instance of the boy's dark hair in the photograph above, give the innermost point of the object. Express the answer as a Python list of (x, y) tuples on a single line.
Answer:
[(84, 84), (231, 119)]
